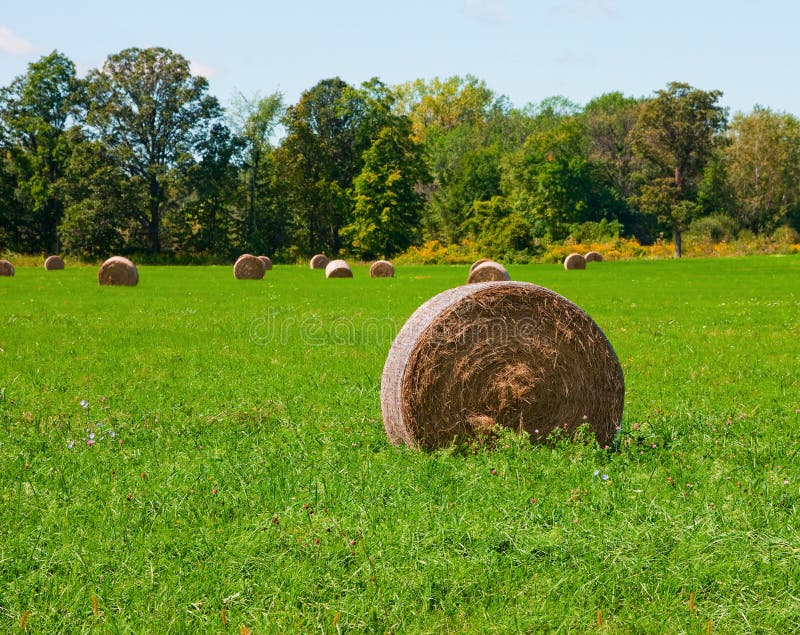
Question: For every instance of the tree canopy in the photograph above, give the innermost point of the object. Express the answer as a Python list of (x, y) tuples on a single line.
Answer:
[(139, 157)]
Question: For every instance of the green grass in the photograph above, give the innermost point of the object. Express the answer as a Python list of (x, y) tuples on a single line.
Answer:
[(249, 470)]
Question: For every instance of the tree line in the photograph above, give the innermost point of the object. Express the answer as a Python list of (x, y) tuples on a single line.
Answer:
[(139, 157)]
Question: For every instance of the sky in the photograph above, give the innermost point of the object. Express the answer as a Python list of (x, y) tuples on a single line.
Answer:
[(525, 50)]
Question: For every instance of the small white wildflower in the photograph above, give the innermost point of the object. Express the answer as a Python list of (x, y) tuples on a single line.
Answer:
[(84, 404)]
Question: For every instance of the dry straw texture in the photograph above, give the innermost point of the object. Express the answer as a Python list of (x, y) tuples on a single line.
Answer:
[(267, 262), (488, 271), (338, 269), (381, 269), (248, 267), (594, 256), (54, 263), (507, 353), (118, 271), (6, 268), (319, 261), (574, 261), (477, 263)]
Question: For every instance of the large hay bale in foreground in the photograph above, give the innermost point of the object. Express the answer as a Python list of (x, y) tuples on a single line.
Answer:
[(488, 271), (54, 263), (338, 269), (267, 262), (319, 261), (6, 268), (478, 262), (499, 353), (381, 269), (574, 261), (594, 256), (248, 267), (118, 271)]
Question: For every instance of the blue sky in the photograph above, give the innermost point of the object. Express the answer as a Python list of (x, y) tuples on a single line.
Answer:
[(524, 50)]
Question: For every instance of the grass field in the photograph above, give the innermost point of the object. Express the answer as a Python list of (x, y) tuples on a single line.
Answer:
[(229, 468)]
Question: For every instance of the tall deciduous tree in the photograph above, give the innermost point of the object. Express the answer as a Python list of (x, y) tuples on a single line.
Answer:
[(674, 137), (763, 167), (151, 112), (387, 202), (35, 112), (254, 120), (319, 159)]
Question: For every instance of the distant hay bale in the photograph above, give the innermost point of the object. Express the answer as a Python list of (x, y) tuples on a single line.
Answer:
[(267, 262), (248, 267), (338, 269), (118, 271), (6, 268), (574, 261), (54, 263), (478, 262), (381, 269), (512, 354), (594, 256), (319, 261), (488, 271)]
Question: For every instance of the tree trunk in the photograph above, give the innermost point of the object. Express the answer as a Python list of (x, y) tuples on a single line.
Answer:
[(153, 226), (678, 242)]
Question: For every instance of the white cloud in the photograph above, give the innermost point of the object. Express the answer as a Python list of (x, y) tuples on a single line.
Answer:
[(487, 10), (12, 43), (586, 7), (204, 70)]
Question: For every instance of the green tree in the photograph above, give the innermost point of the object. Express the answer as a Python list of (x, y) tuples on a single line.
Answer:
[(36, 111), (101, 203), (459, 121), (207, 219), (549, 178), (387, 200), (674, 138), (146, 106), (318, 160), (763, 167), (498, 228), (254, 120)]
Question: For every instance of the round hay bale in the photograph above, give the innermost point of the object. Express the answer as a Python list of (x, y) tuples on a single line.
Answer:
[(6, 268), (338, 269), (54, 263), (499, 353), (480, 261), (488, 271), (248, 267), (381, 269), (118, 271), (319, 261), (267, 262), (574, 261), (594, 256)]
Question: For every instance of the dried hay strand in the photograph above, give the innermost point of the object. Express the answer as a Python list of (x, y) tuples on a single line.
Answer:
[(320, 261), (54, 263), (338, 269), (512, 354), (118, 271), (594, 256), (480, 261), (574, 261), (267, 262), (381, 269), (248, 267), (6, 268), (488, 271)]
